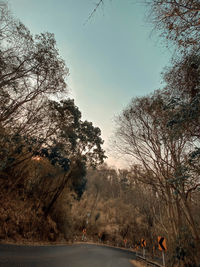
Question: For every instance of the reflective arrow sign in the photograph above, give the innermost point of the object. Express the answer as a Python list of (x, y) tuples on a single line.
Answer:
[(162, 243), (143, 243)]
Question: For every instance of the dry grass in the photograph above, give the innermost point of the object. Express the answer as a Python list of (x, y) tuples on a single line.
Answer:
[(21, 221), (137, 263)]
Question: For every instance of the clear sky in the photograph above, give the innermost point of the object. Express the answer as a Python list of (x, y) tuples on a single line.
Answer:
[(112, 58)]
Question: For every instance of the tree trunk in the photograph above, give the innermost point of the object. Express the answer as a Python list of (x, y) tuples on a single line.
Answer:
[(57, 194)]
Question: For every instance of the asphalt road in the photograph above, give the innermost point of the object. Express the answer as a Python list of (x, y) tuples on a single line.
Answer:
[(79, 255)]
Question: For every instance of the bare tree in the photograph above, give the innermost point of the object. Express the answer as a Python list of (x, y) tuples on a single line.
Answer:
[(178, 20), (30, 67), (142, 133)]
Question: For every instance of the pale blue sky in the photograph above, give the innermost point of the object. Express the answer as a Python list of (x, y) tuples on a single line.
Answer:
[(111, 58)]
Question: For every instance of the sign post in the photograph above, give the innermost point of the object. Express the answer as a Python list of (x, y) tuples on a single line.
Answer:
[(162, 246), (84, 235), (143, 245), (137, 245), (163, 257), (125, 242), (99, 236), (136, 250)]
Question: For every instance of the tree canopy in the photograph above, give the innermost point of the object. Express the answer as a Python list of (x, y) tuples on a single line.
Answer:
[(40, 127)]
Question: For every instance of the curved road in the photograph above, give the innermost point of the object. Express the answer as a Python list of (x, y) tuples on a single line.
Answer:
[(79, 255)]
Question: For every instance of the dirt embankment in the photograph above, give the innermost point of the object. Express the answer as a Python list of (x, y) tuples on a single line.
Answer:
[(21, 221)]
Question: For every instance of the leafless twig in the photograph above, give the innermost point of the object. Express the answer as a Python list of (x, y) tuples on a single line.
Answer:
[(94, 10)]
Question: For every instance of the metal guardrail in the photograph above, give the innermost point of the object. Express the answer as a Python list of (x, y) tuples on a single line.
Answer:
[(138, 257), (149, 262)]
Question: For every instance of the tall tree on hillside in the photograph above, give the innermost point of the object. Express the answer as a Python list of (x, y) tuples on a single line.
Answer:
[(31, 70), (76, 137), (74, 145), (142, 133)]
